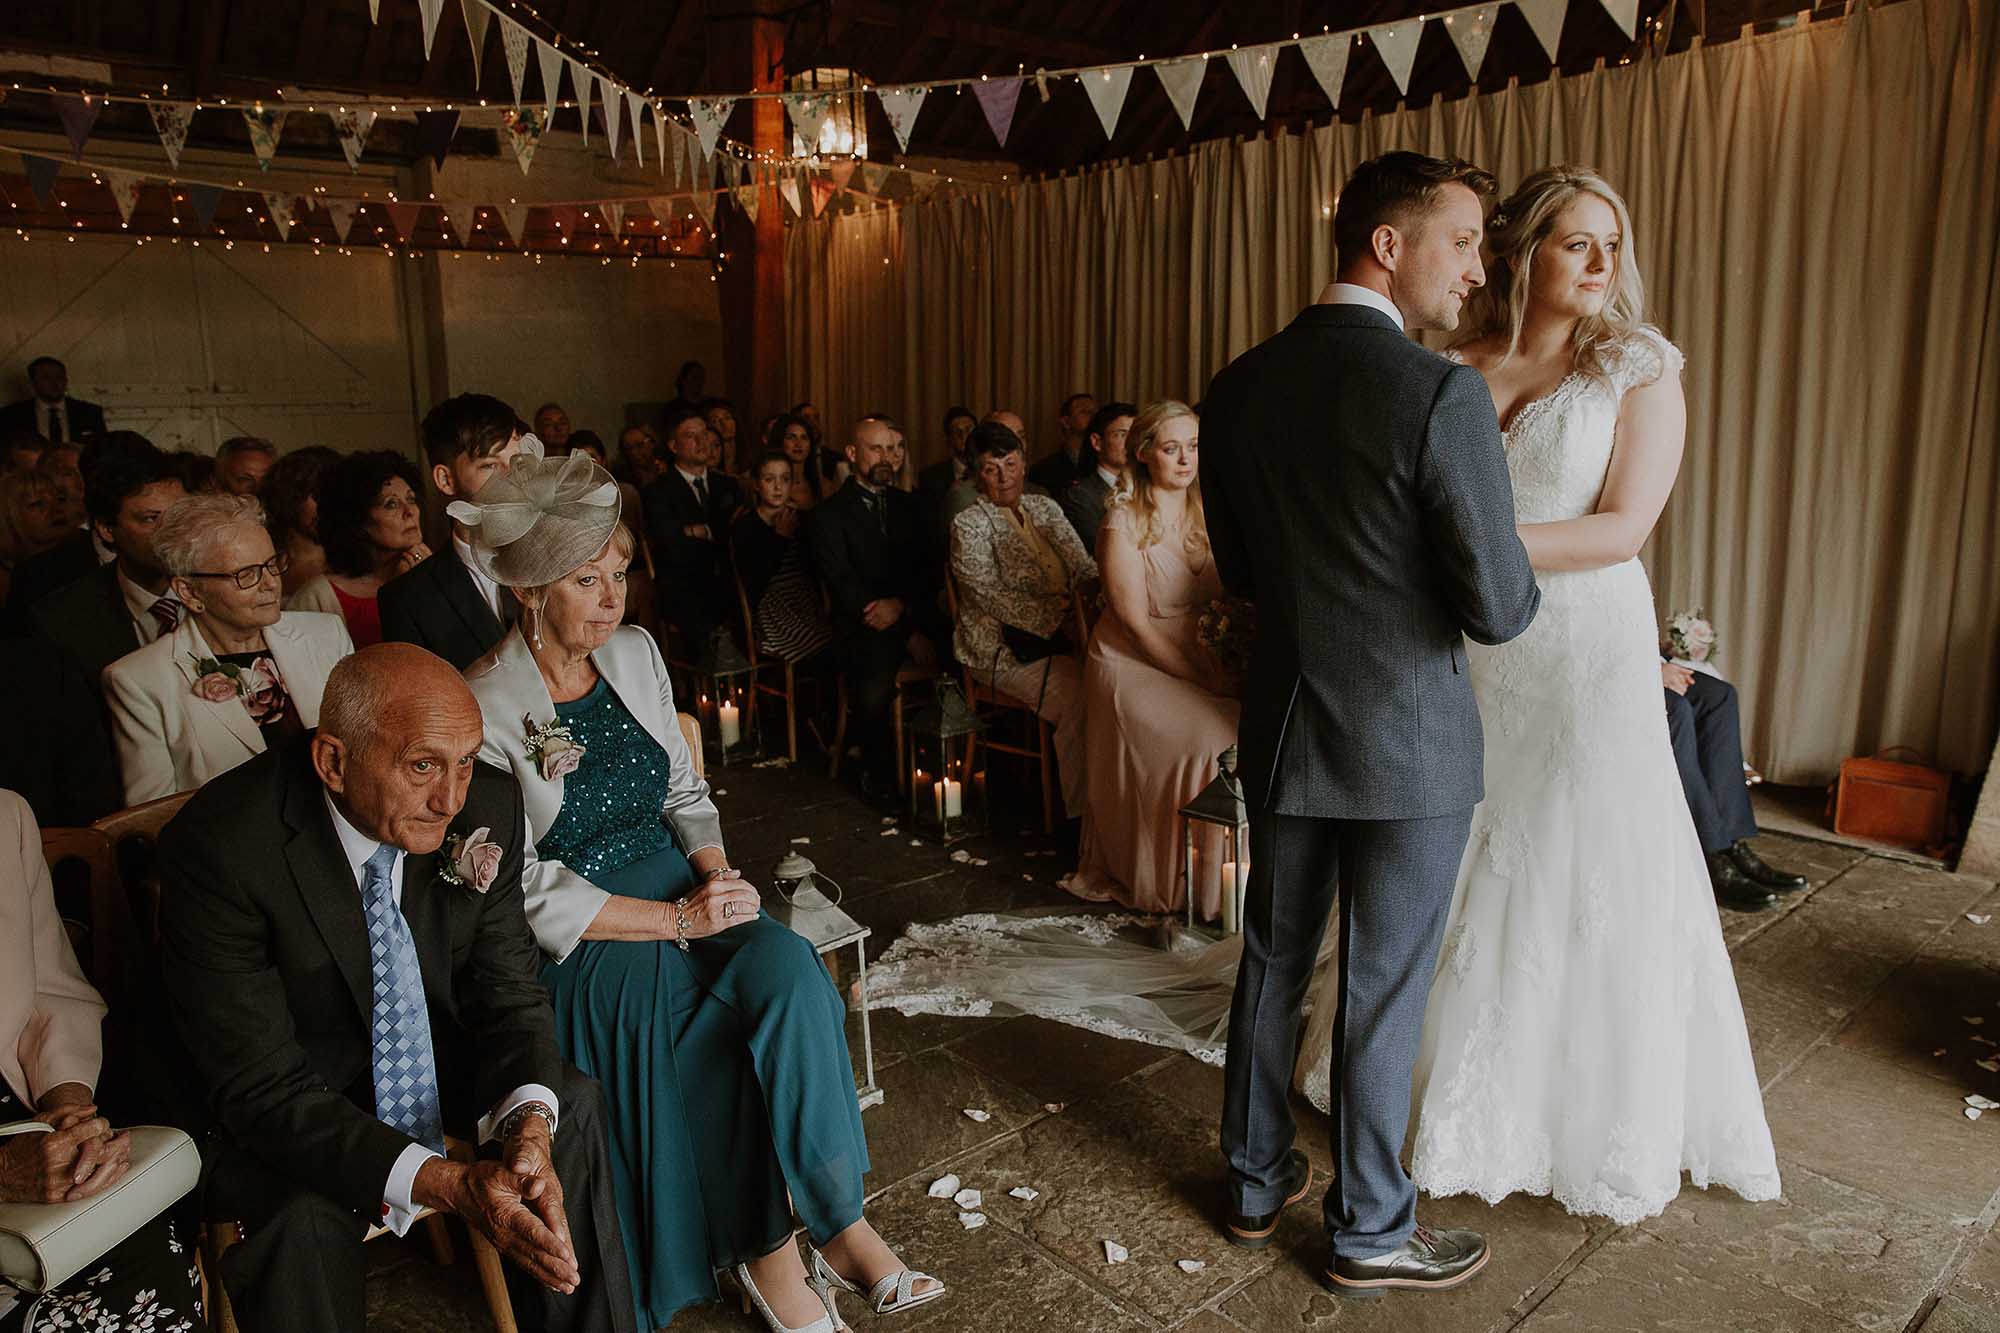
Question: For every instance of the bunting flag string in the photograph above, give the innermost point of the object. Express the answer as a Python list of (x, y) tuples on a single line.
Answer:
[(403, 217), (266, 124), (1472, 33), (997, 100), (1107, 89), (841, 172), (1546, 18), (515, 218), (434, 131), (1326, 57), (808, 112), (580, 80), (340, 213), (477, 18), (524, 127), (902, 105), (124, 186), (746, 199), (170, 122), (1252, 66), (635, 109), (514, 41), (551, 62), (352, 126), (614, 110), (78, 116), (1396, 43), (432, 11), (1626, 14), (789, 189), (41, 173), (205, 199), (709, 115), (660, 138), (1182, 80), (279, 206)]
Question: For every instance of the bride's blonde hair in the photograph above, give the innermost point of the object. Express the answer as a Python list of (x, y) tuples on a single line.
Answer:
[(1516, 232), (1142, 510)]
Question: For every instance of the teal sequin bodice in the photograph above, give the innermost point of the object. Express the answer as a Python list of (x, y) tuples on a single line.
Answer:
[(610, 817)]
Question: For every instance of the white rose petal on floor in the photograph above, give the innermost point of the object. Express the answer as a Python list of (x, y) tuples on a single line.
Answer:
[(944, 1187)]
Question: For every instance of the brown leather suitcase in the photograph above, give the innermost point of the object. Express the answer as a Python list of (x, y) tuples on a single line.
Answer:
[(1891, 801)]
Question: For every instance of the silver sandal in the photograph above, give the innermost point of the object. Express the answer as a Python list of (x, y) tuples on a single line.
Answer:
[(752, 1296), (892, 1295)]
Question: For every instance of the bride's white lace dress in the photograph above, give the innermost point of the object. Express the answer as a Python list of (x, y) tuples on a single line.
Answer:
[(1584, 1036)]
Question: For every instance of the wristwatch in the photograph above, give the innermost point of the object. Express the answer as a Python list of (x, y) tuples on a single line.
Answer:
[(512, 1123)]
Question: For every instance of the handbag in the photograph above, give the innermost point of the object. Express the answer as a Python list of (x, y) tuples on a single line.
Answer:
[(1029, 648), (1890, 801), (43, 1245)]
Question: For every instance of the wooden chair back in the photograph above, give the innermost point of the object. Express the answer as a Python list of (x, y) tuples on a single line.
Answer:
[(691, 733)]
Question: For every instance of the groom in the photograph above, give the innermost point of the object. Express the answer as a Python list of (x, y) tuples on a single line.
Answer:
[(1356, 490)]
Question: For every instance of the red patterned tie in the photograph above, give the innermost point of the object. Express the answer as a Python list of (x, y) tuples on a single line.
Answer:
[(167, 613)]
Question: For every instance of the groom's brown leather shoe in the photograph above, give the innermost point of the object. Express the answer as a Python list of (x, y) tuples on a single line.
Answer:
[(1253, 1231), (1428, 1261)]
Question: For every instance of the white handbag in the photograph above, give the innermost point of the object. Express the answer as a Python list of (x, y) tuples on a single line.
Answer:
[(42, 1245)]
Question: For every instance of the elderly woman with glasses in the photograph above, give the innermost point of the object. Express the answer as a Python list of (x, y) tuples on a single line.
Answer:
[(239, 672), (717, 1035)]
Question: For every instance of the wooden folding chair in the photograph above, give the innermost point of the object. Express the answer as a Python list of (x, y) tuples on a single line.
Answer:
[(981, 695), (759, 665)]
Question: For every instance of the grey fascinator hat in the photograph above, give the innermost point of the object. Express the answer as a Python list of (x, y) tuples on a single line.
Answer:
[(544, 518)]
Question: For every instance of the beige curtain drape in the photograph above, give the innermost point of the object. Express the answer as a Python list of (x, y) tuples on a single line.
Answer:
[(1817, 218)]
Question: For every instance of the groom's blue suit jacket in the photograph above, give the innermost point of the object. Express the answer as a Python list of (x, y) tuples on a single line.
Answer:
[(1357, 491)]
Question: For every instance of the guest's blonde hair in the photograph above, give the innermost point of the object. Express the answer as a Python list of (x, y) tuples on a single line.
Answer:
[(1138, 501), (1516, 231), (620, 540)]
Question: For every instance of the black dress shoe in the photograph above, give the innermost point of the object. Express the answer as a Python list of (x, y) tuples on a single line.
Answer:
[(1253, 1231), (1428, 1261), (1734, 889), (1758, 871)]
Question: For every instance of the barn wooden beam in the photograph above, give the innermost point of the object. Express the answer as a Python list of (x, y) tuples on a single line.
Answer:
[(955, 26)]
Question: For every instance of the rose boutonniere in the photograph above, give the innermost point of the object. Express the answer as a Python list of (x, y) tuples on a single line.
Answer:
[(470, 860), (553, 750), (219, 682)]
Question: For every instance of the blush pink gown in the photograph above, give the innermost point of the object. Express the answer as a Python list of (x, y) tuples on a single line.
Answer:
[(1153, 740)]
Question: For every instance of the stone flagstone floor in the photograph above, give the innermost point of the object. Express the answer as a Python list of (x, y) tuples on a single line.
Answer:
[(1860, 993)]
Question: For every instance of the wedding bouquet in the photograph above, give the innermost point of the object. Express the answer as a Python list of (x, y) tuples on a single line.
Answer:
[(1228, 629), (1690, 638)]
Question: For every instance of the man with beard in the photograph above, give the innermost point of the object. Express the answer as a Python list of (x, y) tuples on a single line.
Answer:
[(867, 541)]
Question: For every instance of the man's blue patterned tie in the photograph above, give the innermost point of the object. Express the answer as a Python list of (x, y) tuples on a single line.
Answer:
[(406, 1092)]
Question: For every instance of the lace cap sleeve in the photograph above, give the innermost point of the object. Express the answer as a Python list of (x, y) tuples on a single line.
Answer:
[(1645, 357)]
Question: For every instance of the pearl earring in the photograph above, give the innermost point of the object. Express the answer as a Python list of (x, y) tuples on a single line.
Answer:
[(534, 630)]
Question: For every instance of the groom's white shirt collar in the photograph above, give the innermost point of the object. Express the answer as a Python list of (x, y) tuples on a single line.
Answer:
[(1349, 293)]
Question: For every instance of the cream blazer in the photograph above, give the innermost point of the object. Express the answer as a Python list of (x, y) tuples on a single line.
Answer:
[(171, 740), (512, 696), (50, 1017), (999, 579)]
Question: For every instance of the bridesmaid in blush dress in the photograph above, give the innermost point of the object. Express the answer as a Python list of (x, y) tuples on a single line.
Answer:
[(1159, 709)]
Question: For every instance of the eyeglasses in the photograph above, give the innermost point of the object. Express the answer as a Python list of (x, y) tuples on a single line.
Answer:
[(249, 576)]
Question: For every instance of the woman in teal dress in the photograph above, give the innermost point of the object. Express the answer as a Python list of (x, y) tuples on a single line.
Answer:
[(716, 1034)]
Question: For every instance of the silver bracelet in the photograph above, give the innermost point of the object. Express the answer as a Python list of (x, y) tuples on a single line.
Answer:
[(512, 1123), (681, 923)]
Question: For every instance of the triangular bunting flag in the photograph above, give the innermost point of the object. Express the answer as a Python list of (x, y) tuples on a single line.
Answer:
[(998, 98), (1624, 12), (1253, 66), (353, 125), (1546, 18), (579, 80), (1396, 43), (41, 176), (265, 127), (614, 111), (1326, 57), (1182, 80), (524, 127), (1107, 88), (613, 211), (635, 118), (788, 188), (403, 217), (204, 198), (477, 16), (551, 62), (515, 216), (455, 217), (660, 134), (822, 194), (1471, 30), (279, 206), (514, 41), (374, 11), (808, 112), (709, 115), (902, 104), (124, 187), (170, 122), (434, 131), (682, 140), (704, 207), (842, 172), (432, 11), (341, 213), (78, 116), (746, 199), (874, 177)]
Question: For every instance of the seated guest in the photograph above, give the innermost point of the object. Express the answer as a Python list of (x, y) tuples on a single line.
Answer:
[(785, 604), (21, 452), (60, 464), (1156, 713), (688, 513), (445, 604), (30, 521), (941, 476), (831, 463), (125, 604), (638, 462), (51, 1053), (195, 469), (552, 428), (81, 552), (587, 443), (58, 753), (238, 675), (669, 983), (372, 529), (242, 463), (1084, 503), (867, 544), (1071, 460), (1703, 723), (1016, 563), (811, 480), (50, 412), (292, 512), (690, 389), (720, 414), (348, 962)]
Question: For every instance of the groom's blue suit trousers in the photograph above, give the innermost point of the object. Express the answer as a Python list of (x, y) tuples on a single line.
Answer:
[(1394, 879)]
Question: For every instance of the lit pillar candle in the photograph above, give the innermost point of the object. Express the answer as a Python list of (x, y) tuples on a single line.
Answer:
[(1232, 878), (954, 798), (732, 730)]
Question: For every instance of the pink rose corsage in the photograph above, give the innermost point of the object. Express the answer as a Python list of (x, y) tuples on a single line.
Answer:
[(553, 750), (472, 860), (216, 687), (259, 686)]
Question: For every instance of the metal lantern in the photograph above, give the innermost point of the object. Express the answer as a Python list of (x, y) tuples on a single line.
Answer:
[(836, 95), (723, 681), (947, 771), (809, 904), (1220, 805)]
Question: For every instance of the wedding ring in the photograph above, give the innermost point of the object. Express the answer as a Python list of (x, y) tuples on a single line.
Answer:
[(728, 911)]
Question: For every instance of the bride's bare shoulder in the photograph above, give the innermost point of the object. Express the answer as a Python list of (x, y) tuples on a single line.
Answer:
[(1482, 354)]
